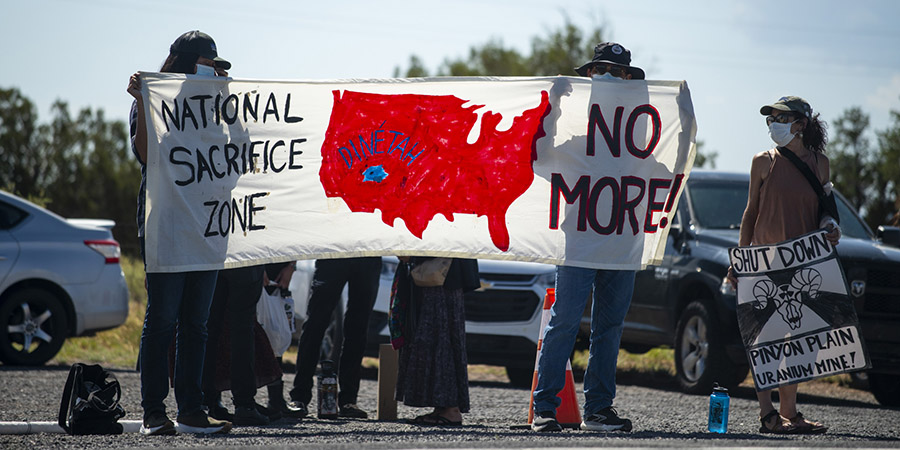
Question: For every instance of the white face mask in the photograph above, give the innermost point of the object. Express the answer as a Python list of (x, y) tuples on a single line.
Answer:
[(781, 133), (205, 71)]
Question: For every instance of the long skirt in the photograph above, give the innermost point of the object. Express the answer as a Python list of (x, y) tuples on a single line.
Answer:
[(433, 366)]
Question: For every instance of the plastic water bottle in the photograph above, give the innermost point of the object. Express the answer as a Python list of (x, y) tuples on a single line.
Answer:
[(327, 381), (718, 409)]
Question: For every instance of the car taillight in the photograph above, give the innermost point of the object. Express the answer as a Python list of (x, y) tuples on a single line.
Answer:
[(109, 249)]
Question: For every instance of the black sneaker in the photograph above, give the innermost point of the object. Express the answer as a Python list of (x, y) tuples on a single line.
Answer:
[(249, 416), (272, 412), (157, 424), (544, 422), (353, 411), (218, 411), (606, 419), (200, 423), (296, 409)]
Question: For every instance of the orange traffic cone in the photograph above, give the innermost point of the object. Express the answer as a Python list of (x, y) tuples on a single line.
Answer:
[(568, 414)]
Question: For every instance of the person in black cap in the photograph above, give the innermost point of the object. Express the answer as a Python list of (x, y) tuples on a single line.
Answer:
[(612, 291), (174, 300), (782, 204)]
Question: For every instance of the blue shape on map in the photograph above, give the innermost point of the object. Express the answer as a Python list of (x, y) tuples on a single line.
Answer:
[(375, 173)]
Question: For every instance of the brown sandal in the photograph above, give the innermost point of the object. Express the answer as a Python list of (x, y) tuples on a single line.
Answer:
[(804, 426), (781, 425)]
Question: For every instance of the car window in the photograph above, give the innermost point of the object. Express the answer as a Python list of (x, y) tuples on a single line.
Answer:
[(851, 224), (718, 204), (10, 216)]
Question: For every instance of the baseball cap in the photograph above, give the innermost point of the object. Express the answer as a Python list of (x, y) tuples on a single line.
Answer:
[(199, 43), (789, 103)]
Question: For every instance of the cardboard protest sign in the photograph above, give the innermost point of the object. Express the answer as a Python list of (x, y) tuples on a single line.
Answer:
[(560, 170), (797, 321)]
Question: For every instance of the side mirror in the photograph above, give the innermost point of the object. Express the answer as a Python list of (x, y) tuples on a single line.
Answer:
[(889, 235)]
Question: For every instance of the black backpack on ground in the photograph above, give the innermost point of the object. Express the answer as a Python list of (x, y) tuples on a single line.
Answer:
[(90, 401)]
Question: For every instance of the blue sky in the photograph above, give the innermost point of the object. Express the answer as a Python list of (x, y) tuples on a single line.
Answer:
[(735, 55)]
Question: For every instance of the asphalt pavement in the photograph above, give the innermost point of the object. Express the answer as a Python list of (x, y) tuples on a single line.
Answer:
[(662, 417)]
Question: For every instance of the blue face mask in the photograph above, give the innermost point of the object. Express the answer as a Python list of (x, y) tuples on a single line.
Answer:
[(205, 71), (606, 77)]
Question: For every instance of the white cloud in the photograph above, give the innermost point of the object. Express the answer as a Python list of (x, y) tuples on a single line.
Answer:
[(886, 97)]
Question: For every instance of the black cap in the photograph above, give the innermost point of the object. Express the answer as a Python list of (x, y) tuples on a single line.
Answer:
[(199, 43), (611, 53)]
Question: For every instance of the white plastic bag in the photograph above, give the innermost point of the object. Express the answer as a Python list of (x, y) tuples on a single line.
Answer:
[(271, 315)]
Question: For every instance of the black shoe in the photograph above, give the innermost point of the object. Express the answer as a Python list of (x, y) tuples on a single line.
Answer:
[(353, 411), (200, 423), (545, 421), (157, 424), (607, 419), (218, 411), (249, 416), (272, 413), (296, 409)]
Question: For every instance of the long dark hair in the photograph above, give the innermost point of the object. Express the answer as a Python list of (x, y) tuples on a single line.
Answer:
[(814, 135), (180, 62)]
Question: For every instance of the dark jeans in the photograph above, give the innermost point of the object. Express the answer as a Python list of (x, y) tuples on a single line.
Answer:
[(237, 293), (181, 299), (362, 275)]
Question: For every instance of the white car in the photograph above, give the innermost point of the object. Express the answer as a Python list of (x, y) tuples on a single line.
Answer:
[(58, 278), (503, 317)]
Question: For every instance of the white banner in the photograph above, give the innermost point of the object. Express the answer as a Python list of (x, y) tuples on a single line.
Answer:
[(559, 170), (796, 320)]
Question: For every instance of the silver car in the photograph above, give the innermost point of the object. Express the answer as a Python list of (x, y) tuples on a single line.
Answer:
[(58, 278)]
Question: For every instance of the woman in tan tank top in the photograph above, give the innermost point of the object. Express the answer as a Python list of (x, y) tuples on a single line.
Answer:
[(782, 205)]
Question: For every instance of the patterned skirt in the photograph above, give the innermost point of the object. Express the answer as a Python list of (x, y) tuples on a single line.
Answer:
[(433, 366)]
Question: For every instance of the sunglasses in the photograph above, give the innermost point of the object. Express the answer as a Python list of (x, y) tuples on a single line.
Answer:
[(781, 118), (600, 69)]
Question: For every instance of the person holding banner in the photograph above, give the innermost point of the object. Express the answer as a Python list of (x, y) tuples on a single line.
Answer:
[(782, 204), (612, 297), (179, 300)]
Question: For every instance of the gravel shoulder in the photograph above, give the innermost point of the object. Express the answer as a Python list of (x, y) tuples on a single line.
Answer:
[(662, 416)]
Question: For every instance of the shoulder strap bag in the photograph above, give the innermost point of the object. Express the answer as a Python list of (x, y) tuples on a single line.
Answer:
[(827, 204)]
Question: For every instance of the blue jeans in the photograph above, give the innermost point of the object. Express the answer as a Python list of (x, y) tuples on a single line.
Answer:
[(612, 296), (181, 299)]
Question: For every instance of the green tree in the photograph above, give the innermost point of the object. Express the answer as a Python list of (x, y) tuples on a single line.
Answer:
[(556, 53), (850, 154), (887, 174), (77, 166), (23, 157), (703, 158)]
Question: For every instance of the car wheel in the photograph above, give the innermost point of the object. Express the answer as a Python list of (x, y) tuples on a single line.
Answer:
[(33, 327), (700, 358), (520, 377), (886, 388)]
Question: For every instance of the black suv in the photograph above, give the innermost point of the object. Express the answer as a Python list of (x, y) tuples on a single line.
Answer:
[(686, 303)]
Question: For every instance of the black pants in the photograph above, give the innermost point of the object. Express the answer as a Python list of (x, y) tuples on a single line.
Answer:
[(362, 275), (237, 292)]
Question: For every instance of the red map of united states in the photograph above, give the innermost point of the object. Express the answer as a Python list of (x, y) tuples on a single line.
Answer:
[(408, 156)]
